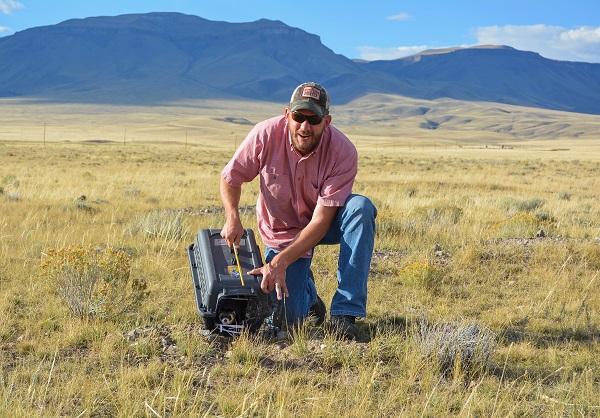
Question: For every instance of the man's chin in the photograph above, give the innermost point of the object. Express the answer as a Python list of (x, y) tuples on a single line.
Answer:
[(303, 144)]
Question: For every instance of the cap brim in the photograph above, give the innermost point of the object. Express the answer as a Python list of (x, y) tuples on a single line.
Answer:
[(307, 105)]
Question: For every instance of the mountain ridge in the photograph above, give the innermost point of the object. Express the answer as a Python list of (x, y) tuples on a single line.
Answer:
[(159, 57)]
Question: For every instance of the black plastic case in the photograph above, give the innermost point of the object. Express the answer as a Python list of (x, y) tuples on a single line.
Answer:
[(222, 301)]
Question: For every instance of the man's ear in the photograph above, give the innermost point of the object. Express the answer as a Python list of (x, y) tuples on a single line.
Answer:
[(286, 111), (327, 120)]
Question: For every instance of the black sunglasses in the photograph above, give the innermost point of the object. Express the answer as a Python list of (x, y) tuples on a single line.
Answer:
[(300, 118)]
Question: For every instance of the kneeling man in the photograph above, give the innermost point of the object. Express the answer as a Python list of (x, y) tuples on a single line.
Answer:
[(307, 168)]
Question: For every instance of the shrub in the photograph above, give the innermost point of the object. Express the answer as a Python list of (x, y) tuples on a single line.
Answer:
[(522, 224), (439, 214), (132, 191), (94, 282), (545, 217), (456, 346), (13, 196), (10, 188), (388, 227), (527, 205), (564, 195), (10, 181), (423, 273), (81, 204), (163, 224), (591, 256)]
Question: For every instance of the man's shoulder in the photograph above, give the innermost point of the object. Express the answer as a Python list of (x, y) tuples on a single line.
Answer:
[(274, 124), (341, 143)]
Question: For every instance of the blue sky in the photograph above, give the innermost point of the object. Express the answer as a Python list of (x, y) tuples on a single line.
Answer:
[(369, 29)]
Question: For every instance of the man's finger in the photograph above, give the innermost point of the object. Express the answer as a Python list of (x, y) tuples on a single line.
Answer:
[(278, 291), (284, 289), (256, 272), (264, 285), (224, 235)]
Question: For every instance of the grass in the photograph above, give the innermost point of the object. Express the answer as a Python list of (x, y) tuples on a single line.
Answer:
[(512, 323)]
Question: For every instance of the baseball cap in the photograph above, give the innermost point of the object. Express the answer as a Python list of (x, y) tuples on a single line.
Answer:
[(310, 96)]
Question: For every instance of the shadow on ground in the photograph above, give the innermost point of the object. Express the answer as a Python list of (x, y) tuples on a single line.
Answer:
[(550, 337)]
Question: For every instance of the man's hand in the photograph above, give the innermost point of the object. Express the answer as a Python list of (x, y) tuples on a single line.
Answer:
[(232, 232), (274, 272), (273, 277)]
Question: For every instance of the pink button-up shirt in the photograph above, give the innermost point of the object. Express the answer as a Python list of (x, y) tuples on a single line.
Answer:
[(291, 185)]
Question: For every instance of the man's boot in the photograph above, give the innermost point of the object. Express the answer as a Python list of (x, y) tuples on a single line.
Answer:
[(318, 311), (344, 327)]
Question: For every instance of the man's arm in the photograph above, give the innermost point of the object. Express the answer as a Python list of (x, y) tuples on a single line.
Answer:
[(232, 230), (274, 272)]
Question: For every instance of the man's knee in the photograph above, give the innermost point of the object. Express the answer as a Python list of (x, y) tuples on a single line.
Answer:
[(360, 204)]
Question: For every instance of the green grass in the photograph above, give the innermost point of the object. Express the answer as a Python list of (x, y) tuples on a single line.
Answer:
[(455, 250)]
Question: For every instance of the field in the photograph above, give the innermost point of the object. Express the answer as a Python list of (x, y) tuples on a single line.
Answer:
[(483, 293)]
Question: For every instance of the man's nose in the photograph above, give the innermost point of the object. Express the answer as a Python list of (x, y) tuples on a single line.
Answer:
[(305, 125)]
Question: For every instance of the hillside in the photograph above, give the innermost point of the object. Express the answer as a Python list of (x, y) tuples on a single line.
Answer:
[(447, 118), (498, 74), (161, 57)]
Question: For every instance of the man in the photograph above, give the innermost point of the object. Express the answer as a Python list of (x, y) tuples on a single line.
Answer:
[(307, 168)]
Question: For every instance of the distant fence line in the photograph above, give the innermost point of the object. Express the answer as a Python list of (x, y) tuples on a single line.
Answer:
[(51, 133), (57, 134)]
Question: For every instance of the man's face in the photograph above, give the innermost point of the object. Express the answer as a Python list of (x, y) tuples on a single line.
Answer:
[(305, 137)]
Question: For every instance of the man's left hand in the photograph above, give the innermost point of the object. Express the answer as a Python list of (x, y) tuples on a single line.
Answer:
[(273, 274)]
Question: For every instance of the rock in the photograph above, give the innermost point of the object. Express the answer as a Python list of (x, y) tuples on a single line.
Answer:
[(166, 341), (133, 335), (170, 350), (540, 233), (439, 252)]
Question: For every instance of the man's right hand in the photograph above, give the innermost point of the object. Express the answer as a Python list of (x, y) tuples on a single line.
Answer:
[(232, 232)]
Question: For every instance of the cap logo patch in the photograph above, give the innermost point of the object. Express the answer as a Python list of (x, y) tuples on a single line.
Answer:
[(311, 92)]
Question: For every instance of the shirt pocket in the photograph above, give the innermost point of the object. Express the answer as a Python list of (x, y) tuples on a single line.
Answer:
[(276, 188)]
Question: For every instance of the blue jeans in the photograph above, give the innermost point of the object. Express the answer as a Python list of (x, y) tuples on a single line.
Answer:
[(354, 229)]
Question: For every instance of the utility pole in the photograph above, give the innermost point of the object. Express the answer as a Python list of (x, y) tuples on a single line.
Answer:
[(44, 133), (124, 136)]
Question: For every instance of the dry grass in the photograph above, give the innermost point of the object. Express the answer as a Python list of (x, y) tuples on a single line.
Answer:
[(456, 242)]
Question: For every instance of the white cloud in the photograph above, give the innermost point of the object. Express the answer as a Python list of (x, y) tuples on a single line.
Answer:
[(9, 6), (4, 29), (400, 17), (371, 53), (556, 42)]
